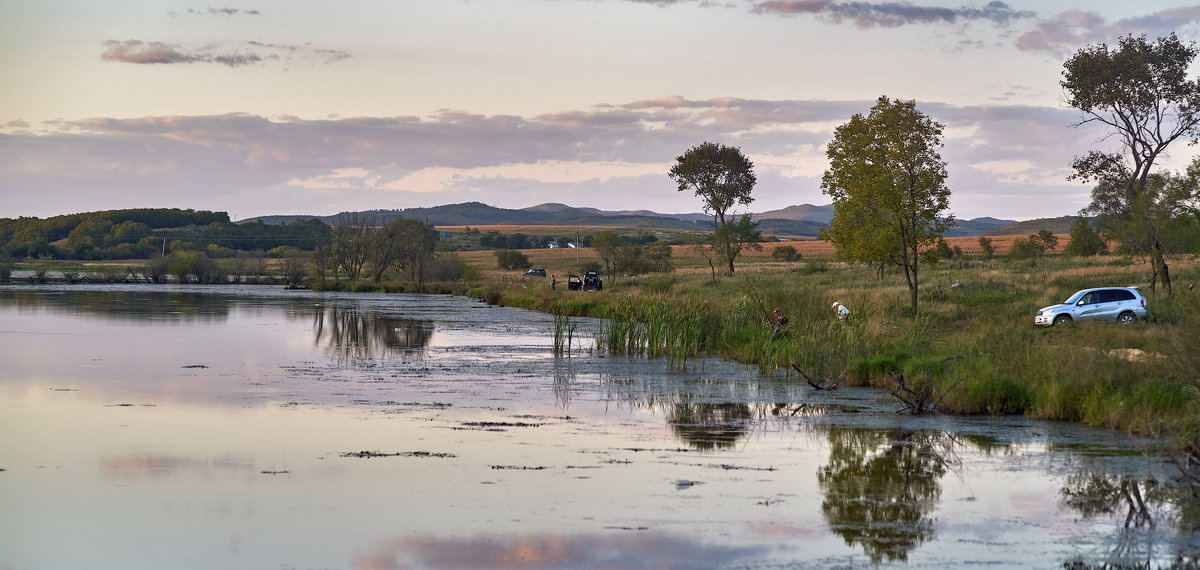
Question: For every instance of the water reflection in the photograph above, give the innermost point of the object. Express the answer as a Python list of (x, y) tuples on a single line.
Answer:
[(708, 427), (881, 488), (142, 304), (1137, 506), (256, 431), (351, 334), (627, 548)]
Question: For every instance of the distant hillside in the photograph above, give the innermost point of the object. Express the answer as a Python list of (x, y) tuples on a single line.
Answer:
[(808, 212), (789, 228), (1059, 225), (976, 226), (804, 220), (275, 219)]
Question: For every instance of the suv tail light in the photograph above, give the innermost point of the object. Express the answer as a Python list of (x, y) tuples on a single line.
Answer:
[(1143, 302)]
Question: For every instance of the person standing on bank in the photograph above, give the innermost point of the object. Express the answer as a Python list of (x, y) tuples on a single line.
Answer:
[(843, 314)]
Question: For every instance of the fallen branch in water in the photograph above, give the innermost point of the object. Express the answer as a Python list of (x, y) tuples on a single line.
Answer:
[(922, 400), (815, 384)]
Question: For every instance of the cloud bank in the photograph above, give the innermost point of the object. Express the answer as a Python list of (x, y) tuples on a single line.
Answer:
[(611, 156)]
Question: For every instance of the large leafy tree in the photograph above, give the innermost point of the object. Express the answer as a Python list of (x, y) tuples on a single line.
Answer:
[(888, 183), (1140, 93), (722, 177)]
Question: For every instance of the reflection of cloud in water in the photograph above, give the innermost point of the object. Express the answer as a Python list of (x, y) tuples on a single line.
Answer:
[(136, 466), (619, 550)]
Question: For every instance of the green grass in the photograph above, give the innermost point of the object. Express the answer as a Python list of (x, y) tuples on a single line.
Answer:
[(973, 344)]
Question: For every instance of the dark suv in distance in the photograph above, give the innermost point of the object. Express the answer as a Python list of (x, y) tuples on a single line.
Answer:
[(1114, 304), (536, 272)]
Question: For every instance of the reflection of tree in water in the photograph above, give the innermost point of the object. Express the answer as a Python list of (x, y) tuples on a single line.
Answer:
[(1139, 506), (352, 334), (706, 427), (881, 488), (125, 305)]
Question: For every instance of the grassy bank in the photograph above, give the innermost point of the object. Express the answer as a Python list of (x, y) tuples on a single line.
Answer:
[(971, 349)]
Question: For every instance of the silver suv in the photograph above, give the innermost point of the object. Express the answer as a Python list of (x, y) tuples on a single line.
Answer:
[(1113, 304)]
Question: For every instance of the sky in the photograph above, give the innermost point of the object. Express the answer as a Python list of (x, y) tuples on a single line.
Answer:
[(316, 107)]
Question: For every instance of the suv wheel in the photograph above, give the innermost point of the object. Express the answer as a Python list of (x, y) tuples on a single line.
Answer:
[(1126, 318), (1062, 320)]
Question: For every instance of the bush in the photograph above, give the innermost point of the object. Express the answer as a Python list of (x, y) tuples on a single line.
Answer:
[(1024, 248), (1085, 240), (449, 267), (511, 259), (985, 245), (785, 253)]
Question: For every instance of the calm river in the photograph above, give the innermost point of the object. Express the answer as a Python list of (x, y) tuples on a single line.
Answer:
[(252, 427)]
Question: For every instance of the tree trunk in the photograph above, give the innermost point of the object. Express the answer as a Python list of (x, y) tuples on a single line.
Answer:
[(1160, 261)]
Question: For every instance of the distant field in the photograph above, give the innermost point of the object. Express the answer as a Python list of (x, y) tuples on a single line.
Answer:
[(531, 230), (689, 258), (544, 230)]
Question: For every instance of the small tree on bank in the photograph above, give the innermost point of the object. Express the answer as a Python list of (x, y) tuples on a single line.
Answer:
[(888, 184), (985, 245), (722, 177), (511, 259), (1085, 240)]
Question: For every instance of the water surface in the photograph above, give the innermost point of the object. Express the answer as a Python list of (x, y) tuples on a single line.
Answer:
[(253, 427)]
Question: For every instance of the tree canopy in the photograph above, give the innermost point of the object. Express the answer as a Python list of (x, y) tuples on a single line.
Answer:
[(722, 177), (888, 183), (1140, 93)]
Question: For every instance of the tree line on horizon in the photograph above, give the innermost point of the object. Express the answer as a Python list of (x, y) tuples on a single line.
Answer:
[(143, 233)]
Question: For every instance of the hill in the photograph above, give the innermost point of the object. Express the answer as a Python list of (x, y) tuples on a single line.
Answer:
[(1059, 225), (807, 212), (804, 220)]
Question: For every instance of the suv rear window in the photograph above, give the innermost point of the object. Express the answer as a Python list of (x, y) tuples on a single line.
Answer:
[(1112, 295)]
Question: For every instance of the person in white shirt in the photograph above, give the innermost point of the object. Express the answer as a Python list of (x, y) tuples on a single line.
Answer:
[(843, 314)]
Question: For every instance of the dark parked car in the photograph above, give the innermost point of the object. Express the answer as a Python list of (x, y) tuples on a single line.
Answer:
[(592, 281), (536, 272)]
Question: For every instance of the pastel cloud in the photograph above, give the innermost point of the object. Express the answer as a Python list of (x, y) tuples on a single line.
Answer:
[(890, 14), (1073, 29), (222, 12), (232, 55)]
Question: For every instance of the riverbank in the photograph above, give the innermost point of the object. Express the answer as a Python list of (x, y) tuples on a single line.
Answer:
[(972, 347)]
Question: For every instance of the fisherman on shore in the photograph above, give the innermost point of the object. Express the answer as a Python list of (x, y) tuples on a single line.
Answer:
[(843, 314), (779, 322)]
